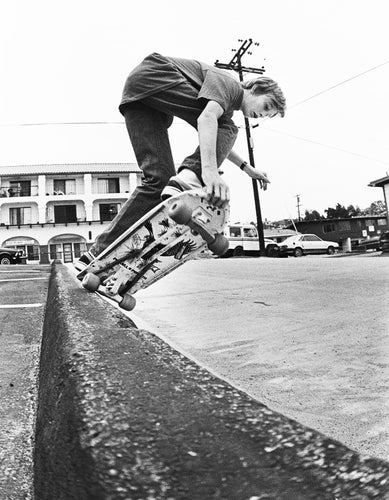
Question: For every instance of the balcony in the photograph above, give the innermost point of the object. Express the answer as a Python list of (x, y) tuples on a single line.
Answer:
[(12, 192)]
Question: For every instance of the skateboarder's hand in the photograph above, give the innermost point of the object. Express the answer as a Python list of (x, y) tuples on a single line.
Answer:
[(261, 177), (218, 193)]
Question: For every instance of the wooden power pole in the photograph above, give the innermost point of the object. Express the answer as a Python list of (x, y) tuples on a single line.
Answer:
[(236, 65)]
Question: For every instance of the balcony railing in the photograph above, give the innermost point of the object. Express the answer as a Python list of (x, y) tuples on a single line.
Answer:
[(18, 193), (53, 224), (11, 192)]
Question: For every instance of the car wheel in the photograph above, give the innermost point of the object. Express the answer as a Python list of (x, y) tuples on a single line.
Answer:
[(226, 255), (272, 251), (330, 250), (5, 261), (238, 252), (298, 252)]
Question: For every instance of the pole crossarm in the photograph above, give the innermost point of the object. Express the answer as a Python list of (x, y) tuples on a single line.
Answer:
[(236, 62), (245, 69)]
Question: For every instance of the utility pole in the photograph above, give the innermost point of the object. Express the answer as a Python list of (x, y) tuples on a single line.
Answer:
[(298, 206), (236, 65)]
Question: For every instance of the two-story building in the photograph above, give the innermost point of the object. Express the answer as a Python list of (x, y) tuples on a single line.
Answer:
[(340, 230), (56, 211)]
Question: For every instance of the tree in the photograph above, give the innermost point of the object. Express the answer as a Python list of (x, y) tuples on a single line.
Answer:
[(339, 212), (354, 211), (312, 215), (376, 208)]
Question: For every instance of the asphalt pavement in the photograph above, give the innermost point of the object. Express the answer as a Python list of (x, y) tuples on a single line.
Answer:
[(23, 291), (122, 415), (306, 336)]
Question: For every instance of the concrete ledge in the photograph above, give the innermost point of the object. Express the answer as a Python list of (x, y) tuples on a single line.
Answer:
[(121, 415)]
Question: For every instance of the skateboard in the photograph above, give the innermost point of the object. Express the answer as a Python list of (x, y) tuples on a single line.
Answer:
[(175, 231)]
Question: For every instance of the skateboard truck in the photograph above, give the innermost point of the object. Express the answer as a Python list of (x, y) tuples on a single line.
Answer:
[(91, 282), (182, 214)]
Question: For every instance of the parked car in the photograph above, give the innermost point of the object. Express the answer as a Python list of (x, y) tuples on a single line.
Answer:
[(11, 256), (303, 244), (384, 242), (368, 244), (243, 240)]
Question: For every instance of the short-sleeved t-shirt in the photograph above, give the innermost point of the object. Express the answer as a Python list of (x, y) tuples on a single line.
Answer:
[(157, 73)]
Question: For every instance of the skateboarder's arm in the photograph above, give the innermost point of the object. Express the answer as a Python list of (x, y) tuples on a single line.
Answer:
[(217, 190), (249, 170)]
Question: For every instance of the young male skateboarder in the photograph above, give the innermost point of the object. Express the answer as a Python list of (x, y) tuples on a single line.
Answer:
[(156, 91)]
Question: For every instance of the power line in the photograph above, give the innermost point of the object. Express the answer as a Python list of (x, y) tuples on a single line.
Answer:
[(325, 145), (39, 124), (316, 95), (338, 84)]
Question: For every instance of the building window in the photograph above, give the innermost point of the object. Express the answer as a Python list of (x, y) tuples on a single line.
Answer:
[(66, 251), (108, 211), (110, 185), (64, 186), (328, 228), (235, 232), (381, 222), (344, 225), (19, 188), (55, 252), (311, 237), (65, 213), (249, 232), (20, 215)]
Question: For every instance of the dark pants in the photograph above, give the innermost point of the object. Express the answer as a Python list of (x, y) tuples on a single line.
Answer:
[(147, 124)]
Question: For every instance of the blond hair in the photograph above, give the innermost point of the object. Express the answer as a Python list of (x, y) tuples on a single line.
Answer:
[(264, 85)]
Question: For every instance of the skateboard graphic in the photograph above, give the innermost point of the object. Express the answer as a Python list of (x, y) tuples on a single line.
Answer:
[(177, 230)]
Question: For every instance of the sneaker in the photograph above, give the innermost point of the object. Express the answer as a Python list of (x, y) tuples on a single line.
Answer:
[(84, 261)]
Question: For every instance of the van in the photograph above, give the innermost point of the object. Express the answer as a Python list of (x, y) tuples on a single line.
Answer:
[(243, 240)]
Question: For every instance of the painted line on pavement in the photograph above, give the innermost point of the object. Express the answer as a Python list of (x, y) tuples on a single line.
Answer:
[(24, 271), (23, 279), (18, 306)]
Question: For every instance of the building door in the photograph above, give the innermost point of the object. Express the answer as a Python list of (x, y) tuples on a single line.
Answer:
[(67, 252)]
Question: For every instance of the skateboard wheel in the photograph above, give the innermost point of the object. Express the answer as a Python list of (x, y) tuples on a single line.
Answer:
[(180, 212), (128, 303), (91, 282), (220, 245)]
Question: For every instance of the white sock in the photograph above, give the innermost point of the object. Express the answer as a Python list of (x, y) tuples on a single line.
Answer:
[(190, 178)]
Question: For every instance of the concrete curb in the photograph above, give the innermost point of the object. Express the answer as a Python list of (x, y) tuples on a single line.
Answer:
[(121, 415)]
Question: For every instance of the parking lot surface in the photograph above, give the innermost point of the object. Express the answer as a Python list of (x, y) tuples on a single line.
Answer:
[(308, 337), (23, 290)]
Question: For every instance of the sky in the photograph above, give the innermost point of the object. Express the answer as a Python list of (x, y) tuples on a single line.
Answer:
[(64, 63)]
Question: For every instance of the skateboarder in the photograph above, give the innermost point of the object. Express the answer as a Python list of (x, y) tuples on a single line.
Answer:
[(156, 91)]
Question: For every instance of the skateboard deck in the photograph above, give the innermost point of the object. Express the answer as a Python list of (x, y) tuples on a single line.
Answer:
[(175, 231)]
